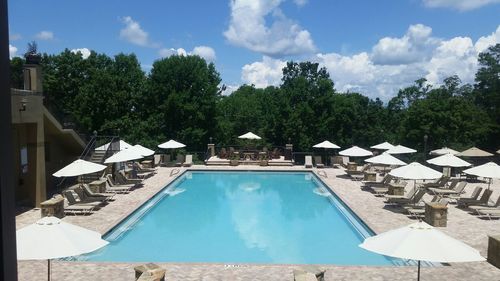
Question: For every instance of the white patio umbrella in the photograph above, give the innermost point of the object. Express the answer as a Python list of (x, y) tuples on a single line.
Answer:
[(401, 149), (326, 145), (415, 171), (385, 159), (50, 238), (498, 151), (355, 151), (489, 170), (421, 242), (144, 151), (443, 151), (123, 145), (448, 160), (474, 152), (383, 146), (79, 167), (171, 144), (124, 156), (249, 136)]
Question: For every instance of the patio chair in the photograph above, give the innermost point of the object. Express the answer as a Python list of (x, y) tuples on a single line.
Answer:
[(483, 200), (439, 183), (474, 195), (485, 206), (404, 199), (73, 199), (317, 162), (112, 186), (157, 160), (179, 160), (189, 161), (88, 199), (122, 179), (489, 213), (457, 190), (106, 195), (308, 161)]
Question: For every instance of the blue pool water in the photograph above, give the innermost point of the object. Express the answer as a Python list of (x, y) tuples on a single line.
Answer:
[(242, 217)]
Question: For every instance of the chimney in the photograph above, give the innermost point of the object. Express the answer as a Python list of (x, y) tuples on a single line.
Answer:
[(33, 77)]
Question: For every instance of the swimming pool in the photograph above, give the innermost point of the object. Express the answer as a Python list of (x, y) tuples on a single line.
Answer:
[(242, 217)]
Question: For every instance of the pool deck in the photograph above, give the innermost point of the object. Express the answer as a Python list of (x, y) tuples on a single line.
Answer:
[(461, 225)]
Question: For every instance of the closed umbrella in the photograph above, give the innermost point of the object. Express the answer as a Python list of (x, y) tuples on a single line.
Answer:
[(249, 136), (443, 151), (474, 152), (449, 160), (355, 151), (79, 167), (415, 171), (421, 242), (124, 156), (385, 159), (383, 146), (401, 149), (489, 170), (326, 145), (123, 145), (50, 238)]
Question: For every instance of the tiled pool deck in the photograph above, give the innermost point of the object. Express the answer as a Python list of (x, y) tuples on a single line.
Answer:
[(461, 225)]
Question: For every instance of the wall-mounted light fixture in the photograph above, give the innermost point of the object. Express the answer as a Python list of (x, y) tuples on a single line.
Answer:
[(23, 104)]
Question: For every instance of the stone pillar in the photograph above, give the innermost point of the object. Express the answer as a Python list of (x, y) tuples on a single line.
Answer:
[(53, 207), (494, 250), (211, 147), (40, 185), (352, 166), (370, 176), (436, 214), (149, 272)]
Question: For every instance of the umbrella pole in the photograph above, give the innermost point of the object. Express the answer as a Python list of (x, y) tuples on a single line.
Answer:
[(418, 272), (48, 269)]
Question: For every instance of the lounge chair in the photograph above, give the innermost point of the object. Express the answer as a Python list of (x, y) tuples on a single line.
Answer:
[(142, 172), (78, 209), (179, 160), (308, 161), (317, 162), (122, 179), (474, 195), (483, 200), (112, 186), (73, 199), (106, 195), (189, 161), (88, 199), (157, 160), (485, 206), (489, 213), (413, 199), (439, 183), (457, 190)]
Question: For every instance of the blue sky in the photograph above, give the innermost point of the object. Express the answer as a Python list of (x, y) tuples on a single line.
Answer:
[(374, 47)]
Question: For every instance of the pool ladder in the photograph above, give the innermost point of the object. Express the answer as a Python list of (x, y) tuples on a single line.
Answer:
[(174, 172), (322, 173)]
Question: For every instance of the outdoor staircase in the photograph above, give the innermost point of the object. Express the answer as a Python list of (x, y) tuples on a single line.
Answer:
[(97, 157)]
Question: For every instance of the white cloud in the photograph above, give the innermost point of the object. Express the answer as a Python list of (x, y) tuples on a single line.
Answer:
[(377, 74), (205, 52), (44, 35), (268, 72), (83, 51), (12, 51), (415, 45), (248, 28), (461, 5), (133, 33)]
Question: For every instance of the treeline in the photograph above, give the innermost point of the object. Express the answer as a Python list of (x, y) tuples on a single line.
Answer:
[(181, 98)]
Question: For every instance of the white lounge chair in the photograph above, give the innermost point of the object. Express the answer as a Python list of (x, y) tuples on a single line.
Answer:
[(308, 161), (189, 161)]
